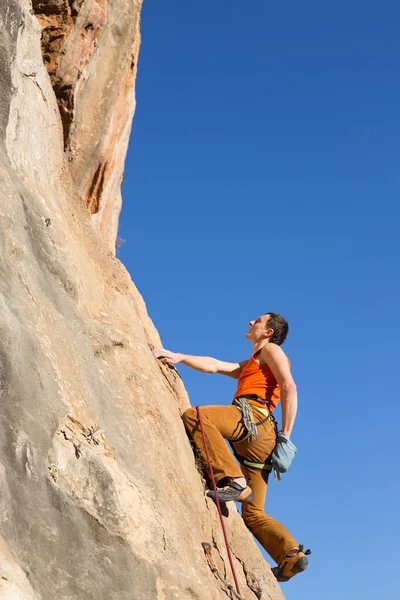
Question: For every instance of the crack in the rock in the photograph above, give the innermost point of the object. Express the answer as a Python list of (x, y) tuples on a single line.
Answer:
[(249, 581), (77, 446), (167, 378), (219, 553), (32, 77)]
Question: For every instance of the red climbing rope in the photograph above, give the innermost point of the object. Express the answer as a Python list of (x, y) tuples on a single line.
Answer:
[(217, 500)]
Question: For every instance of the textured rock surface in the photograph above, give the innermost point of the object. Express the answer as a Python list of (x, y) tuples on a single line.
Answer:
[(90, 49), (93, 453)]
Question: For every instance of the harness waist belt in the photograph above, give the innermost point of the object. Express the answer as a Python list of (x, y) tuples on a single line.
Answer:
[(255, 398)]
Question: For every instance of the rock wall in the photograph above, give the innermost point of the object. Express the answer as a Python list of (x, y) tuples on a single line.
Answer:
[(100, 497), (90, 49)]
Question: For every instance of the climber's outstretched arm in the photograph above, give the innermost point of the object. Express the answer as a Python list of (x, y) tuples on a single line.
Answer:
[(206, 364)]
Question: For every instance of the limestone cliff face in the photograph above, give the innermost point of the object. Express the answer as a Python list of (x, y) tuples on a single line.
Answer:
[(94, 458), (90, 49)]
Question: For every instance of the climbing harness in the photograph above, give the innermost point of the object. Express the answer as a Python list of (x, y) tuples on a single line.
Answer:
[(217, 502), (213, 567), (242, 403)]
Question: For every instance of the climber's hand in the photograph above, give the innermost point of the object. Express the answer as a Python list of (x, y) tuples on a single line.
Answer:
[(167, 357)]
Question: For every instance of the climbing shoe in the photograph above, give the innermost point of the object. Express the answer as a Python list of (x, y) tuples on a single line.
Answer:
[(291, 565), (232, 491)]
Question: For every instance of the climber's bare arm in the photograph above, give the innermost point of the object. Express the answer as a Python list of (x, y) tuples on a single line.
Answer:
[(277, 361), (206, 364)]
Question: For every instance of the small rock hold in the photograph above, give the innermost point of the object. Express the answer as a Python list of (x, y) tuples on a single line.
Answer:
[(53, 470)]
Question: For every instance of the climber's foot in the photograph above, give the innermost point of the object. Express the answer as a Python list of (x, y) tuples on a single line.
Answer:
[(294, 562), (232, 492)]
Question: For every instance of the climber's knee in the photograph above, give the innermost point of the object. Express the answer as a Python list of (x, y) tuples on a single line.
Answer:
[(189, 417)]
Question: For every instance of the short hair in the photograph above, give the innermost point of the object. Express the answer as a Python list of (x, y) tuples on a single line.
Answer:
[(280, 327)]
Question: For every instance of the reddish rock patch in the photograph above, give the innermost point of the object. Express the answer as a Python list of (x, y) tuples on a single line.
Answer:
[(58, 19)]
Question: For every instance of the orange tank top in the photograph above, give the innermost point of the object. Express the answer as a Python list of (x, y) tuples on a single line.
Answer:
[(259, 379)]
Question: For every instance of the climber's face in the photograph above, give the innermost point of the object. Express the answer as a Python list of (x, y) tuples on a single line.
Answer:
[(259, 329)]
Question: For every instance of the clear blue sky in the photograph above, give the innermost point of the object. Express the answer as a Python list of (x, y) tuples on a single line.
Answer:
[(263, 175)]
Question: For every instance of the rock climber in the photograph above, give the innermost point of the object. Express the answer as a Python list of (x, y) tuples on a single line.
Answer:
[(249, 426)]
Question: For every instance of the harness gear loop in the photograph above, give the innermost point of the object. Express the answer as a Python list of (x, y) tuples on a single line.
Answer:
[(217, 501), (242, 403)]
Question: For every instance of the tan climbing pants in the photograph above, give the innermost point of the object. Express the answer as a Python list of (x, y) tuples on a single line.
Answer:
[(226, 422)]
